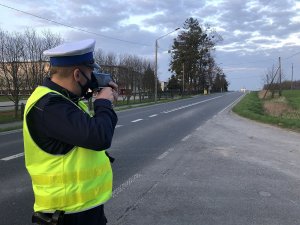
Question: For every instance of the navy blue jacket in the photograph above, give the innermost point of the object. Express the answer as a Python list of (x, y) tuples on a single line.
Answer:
[(57, 125)]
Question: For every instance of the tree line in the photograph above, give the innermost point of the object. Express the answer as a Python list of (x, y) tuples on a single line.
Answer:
[(23, 66)]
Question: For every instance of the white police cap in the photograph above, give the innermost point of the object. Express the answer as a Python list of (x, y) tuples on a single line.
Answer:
[(73, 53)]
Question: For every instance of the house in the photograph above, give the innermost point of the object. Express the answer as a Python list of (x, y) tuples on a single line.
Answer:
[(243, 90), (163, 85)]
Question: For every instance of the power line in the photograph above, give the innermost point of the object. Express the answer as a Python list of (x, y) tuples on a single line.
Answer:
[(257, 61), (72, 27), (297, 53), (245, 63)]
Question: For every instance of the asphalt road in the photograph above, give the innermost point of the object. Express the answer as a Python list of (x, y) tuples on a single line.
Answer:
[(142, 135)]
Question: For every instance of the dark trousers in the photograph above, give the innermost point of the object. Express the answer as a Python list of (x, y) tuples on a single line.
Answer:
[(94, 216)]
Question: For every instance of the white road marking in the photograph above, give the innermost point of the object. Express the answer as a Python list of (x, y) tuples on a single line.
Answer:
[(165, 153), (153, 115), (125, 185), (10, 132), (186, 106), (119, 126), (12, 157), (134, 121), (186, 137), (230, 104)]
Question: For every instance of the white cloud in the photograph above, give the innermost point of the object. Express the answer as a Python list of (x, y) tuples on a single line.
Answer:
[(140, 21)]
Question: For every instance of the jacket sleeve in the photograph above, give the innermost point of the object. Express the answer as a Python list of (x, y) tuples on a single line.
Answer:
[(65, 122)]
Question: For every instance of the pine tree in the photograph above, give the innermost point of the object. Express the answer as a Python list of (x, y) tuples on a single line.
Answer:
[(191, 55)]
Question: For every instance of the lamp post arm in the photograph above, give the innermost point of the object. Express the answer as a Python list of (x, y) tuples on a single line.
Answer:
[(167, 34), (155, 69)]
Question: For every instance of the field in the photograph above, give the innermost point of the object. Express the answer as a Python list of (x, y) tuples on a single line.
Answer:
[(281, 111)]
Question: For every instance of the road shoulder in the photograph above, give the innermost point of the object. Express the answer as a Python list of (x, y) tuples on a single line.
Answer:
[(230, 170)]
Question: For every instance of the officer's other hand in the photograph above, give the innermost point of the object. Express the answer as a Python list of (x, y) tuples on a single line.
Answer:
[(113, 85), (108, 93)]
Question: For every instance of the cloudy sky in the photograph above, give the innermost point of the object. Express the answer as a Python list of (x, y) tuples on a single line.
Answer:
[(255, 32)]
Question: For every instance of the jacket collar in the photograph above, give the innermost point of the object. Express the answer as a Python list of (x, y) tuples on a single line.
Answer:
[(55, 87)]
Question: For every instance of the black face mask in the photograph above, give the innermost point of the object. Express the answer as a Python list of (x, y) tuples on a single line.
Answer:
[(84, 88)]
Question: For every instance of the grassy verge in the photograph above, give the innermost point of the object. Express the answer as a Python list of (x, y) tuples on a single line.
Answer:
[(6, 99), (293, 97), (9, 116), (252, 107)]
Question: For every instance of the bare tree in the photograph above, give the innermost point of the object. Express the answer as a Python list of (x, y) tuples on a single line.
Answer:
[(35, 65), (125, 80), (12, 47), (110, 65), (22, 64), (50, 39), (269, 78), (99, 56), (127, 70)]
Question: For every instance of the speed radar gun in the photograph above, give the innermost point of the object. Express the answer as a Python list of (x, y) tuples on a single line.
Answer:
[(98, 81), (103, 80)]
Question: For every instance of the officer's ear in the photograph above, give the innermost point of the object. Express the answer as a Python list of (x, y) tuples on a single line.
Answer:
[(76, 74)]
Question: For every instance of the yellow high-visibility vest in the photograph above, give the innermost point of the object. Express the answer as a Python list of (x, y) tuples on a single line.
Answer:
[(74, 182)]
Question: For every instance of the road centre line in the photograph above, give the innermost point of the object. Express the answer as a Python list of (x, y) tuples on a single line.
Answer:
[(117, 126), (186, 106), (134, 121), (12, 157), (186, 137), (10, 132), (163, 155), (125, 185), (153, 115)]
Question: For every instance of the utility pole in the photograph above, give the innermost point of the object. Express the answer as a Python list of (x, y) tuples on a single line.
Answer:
[(279, 77), (155, 72), (292, 76), (182, 78)]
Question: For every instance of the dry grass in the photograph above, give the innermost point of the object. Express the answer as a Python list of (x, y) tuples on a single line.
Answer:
[(295, 114), (262, 93), (276, 108), (279, 107)]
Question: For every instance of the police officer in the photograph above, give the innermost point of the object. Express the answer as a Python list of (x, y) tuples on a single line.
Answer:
[(64, 144)]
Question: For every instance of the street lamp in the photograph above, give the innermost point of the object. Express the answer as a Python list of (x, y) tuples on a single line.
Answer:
[(155, 70)]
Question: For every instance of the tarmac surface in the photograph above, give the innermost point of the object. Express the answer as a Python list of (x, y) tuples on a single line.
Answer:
[(228, 171)]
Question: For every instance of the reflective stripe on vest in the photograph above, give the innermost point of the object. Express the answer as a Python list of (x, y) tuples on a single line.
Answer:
[(76, 181)]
